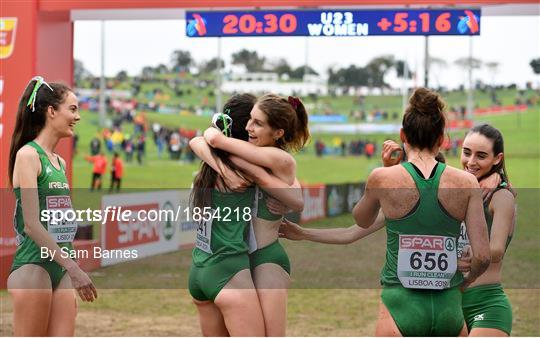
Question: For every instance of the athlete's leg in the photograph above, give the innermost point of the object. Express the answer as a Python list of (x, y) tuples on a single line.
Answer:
[(272, 283), (63, 309), (31, 291), (486, 332), (239, 304), (386, 326), (463, 332), (211, 319)]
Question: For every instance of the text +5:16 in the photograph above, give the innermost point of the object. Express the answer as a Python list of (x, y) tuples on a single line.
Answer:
[(402, 23), (248, 24)]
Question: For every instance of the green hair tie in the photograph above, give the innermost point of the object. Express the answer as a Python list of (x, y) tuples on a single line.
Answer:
[(225, 126), (227, 122), (32, 99)]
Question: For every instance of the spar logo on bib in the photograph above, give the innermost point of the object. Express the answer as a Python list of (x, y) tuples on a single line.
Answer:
[(421, 242), (426, 262)]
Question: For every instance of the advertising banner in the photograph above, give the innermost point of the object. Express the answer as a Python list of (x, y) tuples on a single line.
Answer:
[(336, 199), (354, 194), (314, 202), (140, 225)]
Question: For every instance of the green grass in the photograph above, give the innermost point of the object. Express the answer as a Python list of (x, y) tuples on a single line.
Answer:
[(522, 151)]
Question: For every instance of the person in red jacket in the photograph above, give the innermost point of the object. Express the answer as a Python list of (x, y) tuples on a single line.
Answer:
[(117, 170), (100, 165)]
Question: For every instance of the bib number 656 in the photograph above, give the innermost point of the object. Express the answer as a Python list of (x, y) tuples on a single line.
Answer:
[(430, 261)]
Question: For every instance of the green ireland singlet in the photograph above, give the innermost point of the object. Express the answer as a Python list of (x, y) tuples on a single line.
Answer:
[(225, 234), (486, 306), (421, 247), (221, 249), (464, 239), (419, 278), (54, 195), (262, 208)]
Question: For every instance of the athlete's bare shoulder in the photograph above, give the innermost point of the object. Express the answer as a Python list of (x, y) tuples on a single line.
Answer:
[(456, 178), (27, 153), (389, 177), (27, 162)]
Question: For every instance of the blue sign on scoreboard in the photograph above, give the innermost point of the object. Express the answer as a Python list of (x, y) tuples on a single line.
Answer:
[(334, 23)]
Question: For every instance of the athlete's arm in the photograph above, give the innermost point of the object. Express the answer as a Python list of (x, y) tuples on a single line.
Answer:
[(476, 232), (204, 152), (279, 161), (348, 235), (27, 168), (366, 210), (503, 206), (289, 195)]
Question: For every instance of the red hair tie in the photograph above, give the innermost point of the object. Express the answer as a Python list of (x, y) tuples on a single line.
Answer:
[(294, 101)]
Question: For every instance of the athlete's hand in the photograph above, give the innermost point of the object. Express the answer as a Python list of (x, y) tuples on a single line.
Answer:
[(464, 263), (276, 207), (211, 133), (467, 281), (82, 283), (489, 184), (291, 231), (234, 181), (392, 153)]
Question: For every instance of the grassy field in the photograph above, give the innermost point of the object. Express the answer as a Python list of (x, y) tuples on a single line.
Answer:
[(336, 294), (522, 151)]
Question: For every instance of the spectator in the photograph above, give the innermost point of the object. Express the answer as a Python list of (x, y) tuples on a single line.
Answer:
[(369, 149), (140, 148), (75, 141), (128, 149), (95, 146), (100, 166), (117, 170)]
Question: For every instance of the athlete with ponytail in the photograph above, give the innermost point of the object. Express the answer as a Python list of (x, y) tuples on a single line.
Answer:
[(486, 307), (277, 125), (44, 303), (220, 279)]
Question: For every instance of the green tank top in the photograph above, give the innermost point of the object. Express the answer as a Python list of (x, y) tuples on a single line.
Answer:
[(421, 249), (262, 208), (226, 233), (54, 195), (464, 239)]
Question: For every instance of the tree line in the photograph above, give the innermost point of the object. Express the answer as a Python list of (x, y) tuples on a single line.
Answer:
[(371, 75)]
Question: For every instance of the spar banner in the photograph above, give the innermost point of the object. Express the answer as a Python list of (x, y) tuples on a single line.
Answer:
[(336, 199), (140, 225), (188, 227), (314, 202), (17, 66), (354, 194)]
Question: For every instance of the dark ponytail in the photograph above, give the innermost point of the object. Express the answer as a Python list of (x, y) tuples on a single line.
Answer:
[(424, 119), (31, 118), (238, 108)]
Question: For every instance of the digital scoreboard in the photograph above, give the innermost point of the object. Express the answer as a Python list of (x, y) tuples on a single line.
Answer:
[(334, 22)]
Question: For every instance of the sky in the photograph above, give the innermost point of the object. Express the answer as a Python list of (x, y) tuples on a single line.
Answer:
[(130, 45)]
